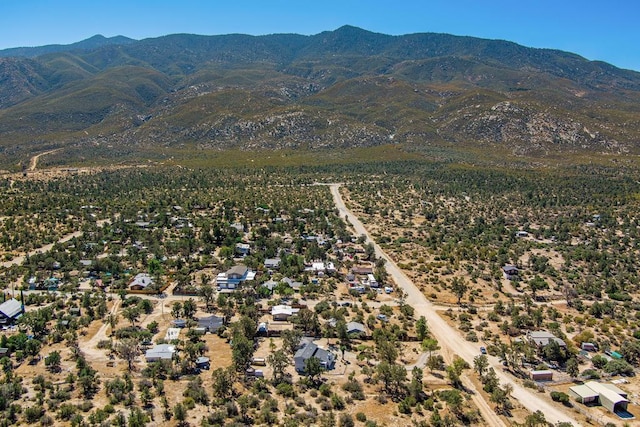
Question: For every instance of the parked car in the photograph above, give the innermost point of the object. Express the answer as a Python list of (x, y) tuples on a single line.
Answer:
[(483, 350)]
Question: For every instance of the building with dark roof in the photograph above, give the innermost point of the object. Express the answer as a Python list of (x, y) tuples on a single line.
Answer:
[(326, 358)]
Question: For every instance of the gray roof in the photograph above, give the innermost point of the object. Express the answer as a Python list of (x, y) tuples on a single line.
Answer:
[(161, 351), (212, 323), (202, 360), (306, 352), (353, 327), (237, 270), (11, 308), (312, 350), (542, 338)]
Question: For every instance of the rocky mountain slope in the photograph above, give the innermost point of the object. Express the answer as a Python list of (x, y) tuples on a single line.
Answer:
[(342, 88)]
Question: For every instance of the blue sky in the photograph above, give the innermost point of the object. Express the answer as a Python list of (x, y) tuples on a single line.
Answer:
[(598, 30)]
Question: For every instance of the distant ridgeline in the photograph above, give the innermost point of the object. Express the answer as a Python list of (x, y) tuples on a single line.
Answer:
[(118, 98)]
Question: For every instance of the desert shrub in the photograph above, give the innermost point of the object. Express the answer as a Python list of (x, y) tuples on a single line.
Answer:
[(86, 406), (591, 374), (286, 390), (559, 396), (360, 416), (66, 411), (337, 402), (346, 421), (33, 413)]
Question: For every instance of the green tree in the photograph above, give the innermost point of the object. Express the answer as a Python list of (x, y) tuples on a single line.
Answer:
[(422, 330), (313, 368), (537, 284), (128, 350), (207, 293), (132, 314), (176, 309), (242, 353), (189, 308), (480, 364), (223, 380), (278, 360), (291, 340), (572, 367), (430, 345), (459, 288), (52, 361)]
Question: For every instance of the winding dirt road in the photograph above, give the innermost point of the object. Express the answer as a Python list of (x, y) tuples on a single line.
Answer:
[(450, 340), (33, 163)]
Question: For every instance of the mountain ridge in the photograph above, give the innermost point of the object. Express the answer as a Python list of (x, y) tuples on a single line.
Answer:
[(344, 88), (90, 43)]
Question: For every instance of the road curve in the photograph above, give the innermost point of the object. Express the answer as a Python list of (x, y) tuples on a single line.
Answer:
[(450, 340)]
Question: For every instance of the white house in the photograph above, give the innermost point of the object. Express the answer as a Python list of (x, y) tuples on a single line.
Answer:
[(140, 282), (234, 276), (283, 312), (160, 352)]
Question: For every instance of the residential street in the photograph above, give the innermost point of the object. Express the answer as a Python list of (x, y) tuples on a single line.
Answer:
[(450, 340)]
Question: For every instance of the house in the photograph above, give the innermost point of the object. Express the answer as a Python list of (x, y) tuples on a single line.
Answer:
[(243, 249), (542, 375), (607, 395), (293, 284), (361, 271), (211, 323), (355, 328), (10, 310), (272, 263), (510, 272), (141, 282), (234, 276), (160, 352), (283, 312), (270, 284), (327, 359), (543, 338)]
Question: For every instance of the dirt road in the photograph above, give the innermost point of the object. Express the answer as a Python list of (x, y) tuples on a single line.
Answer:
[(33, 163), (450, 340)]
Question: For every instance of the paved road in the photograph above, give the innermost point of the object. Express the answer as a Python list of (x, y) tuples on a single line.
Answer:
[(450, 340)]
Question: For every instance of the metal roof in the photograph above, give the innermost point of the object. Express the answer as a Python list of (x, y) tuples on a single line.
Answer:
[(11, 308)]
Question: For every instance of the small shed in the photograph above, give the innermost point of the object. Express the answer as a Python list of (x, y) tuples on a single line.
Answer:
[(588, 346), (542, 375), (179, 323), (510, 272)]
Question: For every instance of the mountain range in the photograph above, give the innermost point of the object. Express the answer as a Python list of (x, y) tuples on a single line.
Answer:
[(115, 97)]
